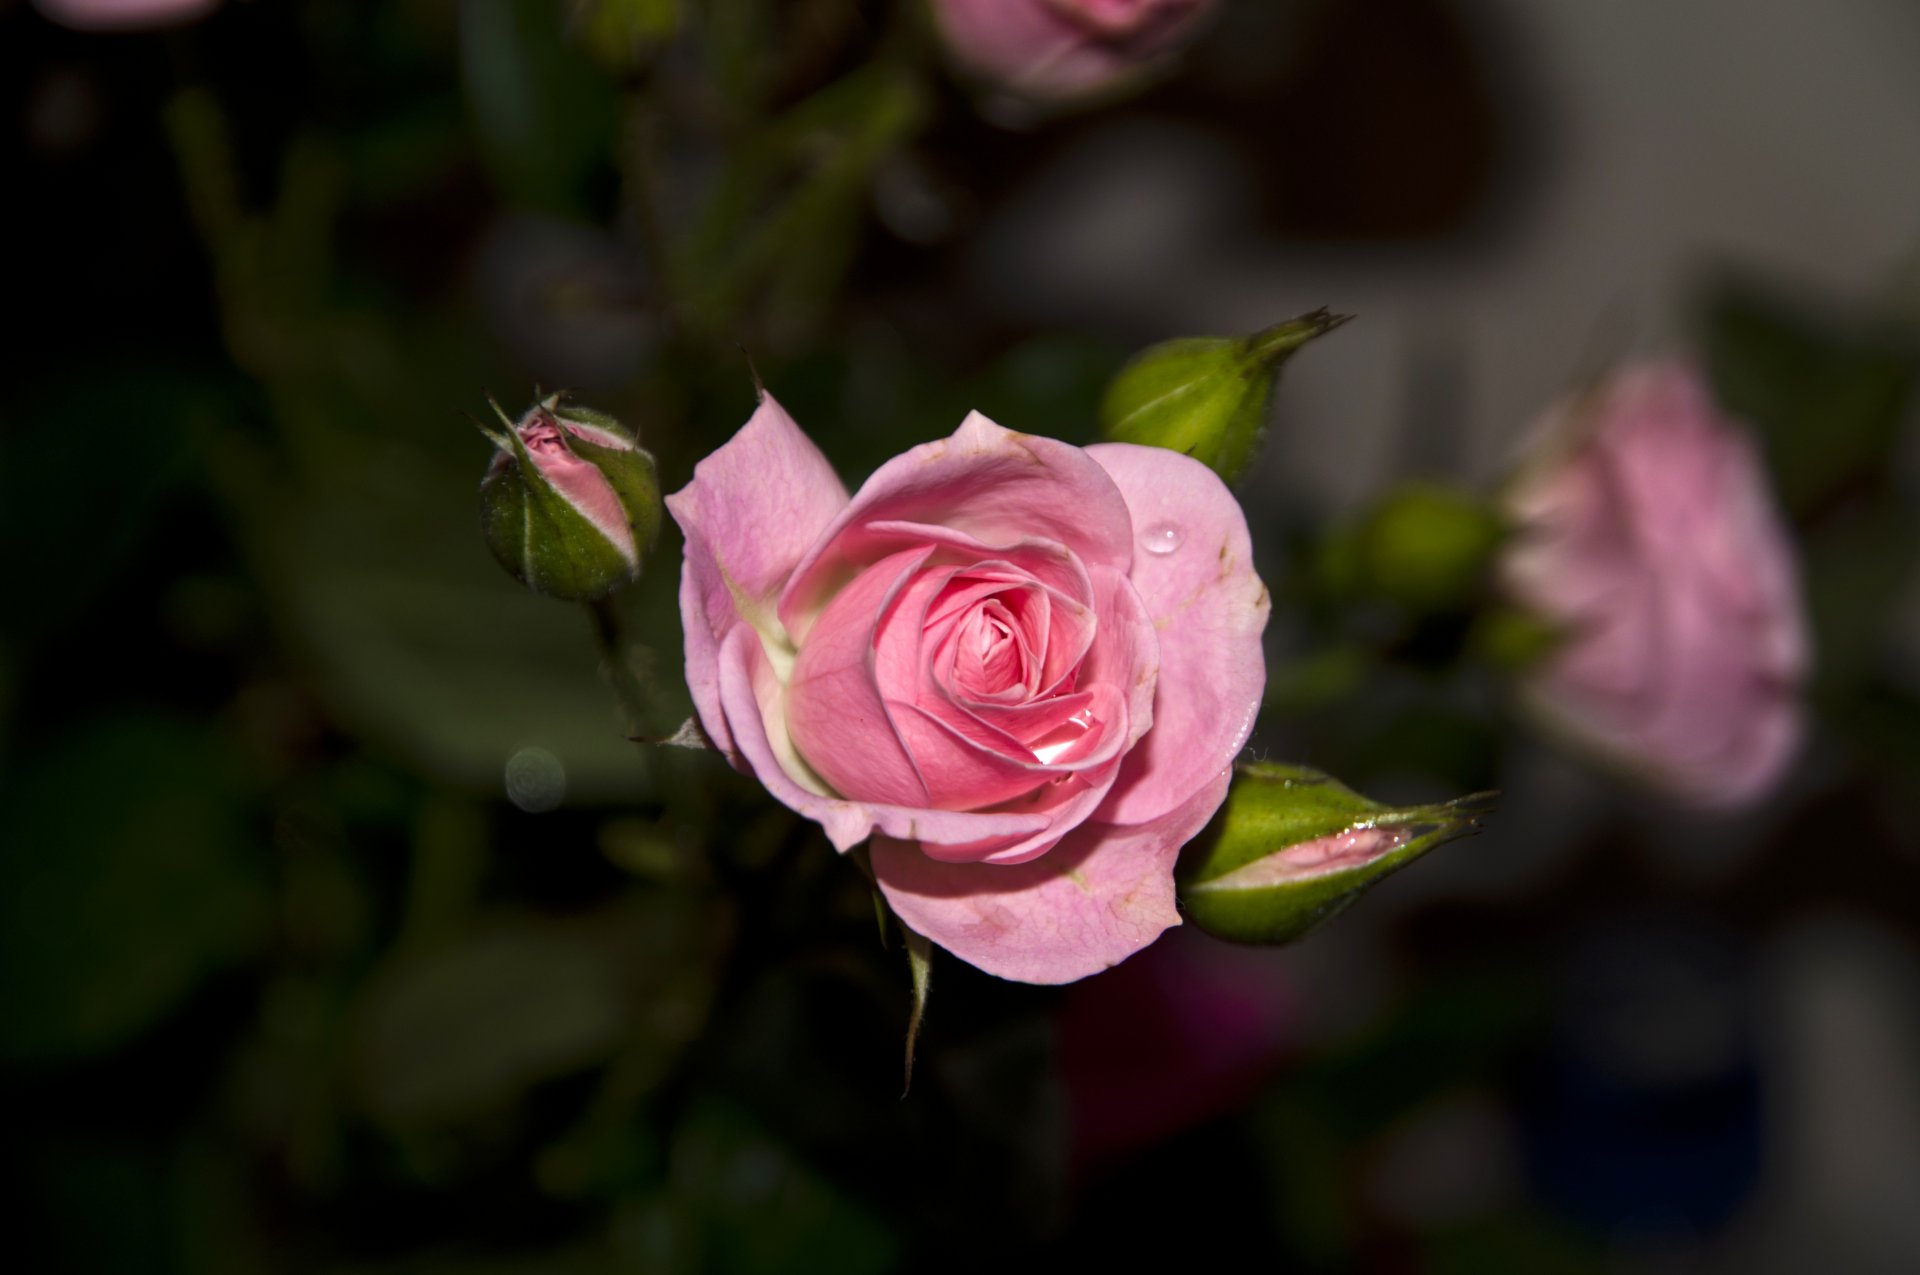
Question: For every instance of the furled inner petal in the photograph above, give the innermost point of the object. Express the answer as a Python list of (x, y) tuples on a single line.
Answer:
[(991, 659)]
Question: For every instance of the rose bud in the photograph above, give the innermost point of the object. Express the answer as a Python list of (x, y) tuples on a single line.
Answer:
[(1058, 50), (1206, 397), (570, 502), (123, 15), (1020, 669), (1643, 532), (1293, 848)]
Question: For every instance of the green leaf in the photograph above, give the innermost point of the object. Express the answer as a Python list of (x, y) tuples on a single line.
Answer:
[(1828, 396), (124, 882), (1206, 397), (740, 1202), (1292, 848)]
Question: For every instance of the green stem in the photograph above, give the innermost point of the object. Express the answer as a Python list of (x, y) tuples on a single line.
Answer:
[(609, 634)]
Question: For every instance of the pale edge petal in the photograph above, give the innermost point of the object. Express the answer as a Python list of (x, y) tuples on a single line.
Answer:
[(1095, 899), (753, 510), (1209, 610)]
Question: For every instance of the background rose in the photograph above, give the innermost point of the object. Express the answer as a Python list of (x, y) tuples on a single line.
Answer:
[(1648, 536), (1063, 48), (1021, 667), (123, 15)]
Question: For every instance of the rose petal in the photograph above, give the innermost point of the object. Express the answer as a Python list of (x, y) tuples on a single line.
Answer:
[(752, 511), (750, 696), (985, 482), (840, 721), (1209, 609), (1103, 893)]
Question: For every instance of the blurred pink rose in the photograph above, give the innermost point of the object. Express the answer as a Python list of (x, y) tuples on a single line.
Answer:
[(124, 15), (1180, 1035), (1063, 48), (1647, 534), (1020, 667)]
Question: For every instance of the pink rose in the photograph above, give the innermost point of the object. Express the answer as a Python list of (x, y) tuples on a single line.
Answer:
[(1021, 668), (1646, 534), (1183, 1035), (123, 15), (1063, 48)]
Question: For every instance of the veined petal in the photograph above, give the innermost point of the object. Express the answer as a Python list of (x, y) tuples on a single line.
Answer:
[(1209, 609), (1100, 895)]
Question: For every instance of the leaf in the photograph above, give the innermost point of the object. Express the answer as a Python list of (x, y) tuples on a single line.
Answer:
[(124, 883), (1292, 848)]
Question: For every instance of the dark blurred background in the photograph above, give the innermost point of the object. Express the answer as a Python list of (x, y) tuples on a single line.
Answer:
[(342, 929)]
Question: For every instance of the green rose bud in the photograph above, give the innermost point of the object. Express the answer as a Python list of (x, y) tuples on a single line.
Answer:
[(1293, 848), (570, 503), (1206, 396), (1424, 546)]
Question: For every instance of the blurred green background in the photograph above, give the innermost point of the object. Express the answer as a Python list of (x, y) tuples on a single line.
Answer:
[(342, 927)]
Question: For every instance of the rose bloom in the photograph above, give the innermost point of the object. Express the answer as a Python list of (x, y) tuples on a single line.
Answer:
[(1063, 48), (1646, 535), (1020, 667), (123, 15)]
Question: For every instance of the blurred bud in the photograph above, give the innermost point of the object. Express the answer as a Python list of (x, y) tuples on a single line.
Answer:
[(1058, 50), (1644, 533), (1423, 546), (1292, 848), (1206, 396), (123, 15), (570, 502)]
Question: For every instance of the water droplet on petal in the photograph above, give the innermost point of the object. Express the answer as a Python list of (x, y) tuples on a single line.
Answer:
[(1161, 538)]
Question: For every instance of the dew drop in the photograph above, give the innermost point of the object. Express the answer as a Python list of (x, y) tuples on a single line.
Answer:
[(1161, 538)]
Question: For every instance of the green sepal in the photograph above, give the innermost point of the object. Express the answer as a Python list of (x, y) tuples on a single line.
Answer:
[(1206, 397), (1292, 848), (920, 963), (632, 474)]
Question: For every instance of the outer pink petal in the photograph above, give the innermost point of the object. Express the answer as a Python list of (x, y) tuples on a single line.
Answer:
[(990, 483), (1209, 608), (1095, 899), (753, 509)]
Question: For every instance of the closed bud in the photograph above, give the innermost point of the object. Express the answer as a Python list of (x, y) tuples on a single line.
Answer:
[(1424, 546), (1206, 396), (570, 503), (1293, 848)]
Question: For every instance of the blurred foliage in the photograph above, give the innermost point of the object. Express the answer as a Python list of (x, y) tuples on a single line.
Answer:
[(342, 926)]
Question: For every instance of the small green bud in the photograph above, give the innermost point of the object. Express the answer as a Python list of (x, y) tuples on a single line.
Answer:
[(1427, 547), (1292, 848), (570, 503), (1206, 396)]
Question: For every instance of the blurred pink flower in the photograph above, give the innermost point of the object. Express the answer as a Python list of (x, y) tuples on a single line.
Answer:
[(1646, 533), (124, 15), (1058, 49), (1180, 1034)]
